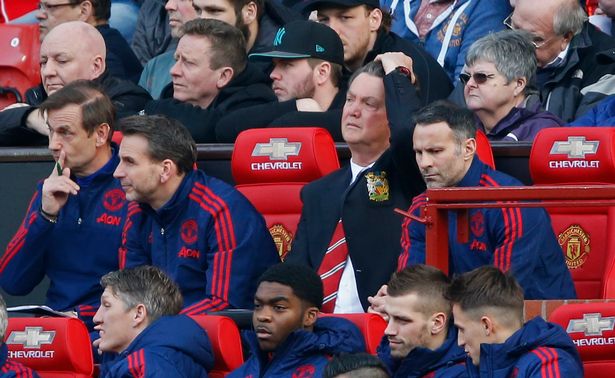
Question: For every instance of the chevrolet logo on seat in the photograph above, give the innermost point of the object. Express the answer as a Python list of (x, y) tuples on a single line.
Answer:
[(277, 149), (576, 147), (591, 324), (31, 337)]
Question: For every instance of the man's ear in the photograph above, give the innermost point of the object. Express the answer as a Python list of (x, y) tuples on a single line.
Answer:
[(103, 133), (487, 325), (224, 77), (322, 73), (438, 323), (86, 11), (169, 169), (140, 317), (98, 66), (310, 316), (469, 148), (375, 19), (249, 13)]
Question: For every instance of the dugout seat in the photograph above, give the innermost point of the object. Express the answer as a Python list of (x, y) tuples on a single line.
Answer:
[(225, 342), (19, 62), (372, 327), (270, 166), (590, 325), (483, 149), (580, 156), (54, 347)]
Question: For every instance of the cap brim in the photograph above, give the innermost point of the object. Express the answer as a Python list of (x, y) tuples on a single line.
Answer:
[(312, 5), (276, 54)]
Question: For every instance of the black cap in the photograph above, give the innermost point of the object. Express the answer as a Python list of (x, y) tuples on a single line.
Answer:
[(305, 39), (315, 4)]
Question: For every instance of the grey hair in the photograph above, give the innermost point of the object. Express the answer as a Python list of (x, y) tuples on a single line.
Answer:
[(511, 51), (569, 17), (373, 68), (147, 285), (4, 318)]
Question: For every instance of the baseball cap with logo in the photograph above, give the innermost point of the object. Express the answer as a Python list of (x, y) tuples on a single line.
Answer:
[(305, 39), (315, 4)]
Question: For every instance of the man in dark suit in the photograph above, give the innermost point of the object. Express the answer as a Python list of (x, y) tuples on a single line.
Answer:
[(348, 231)]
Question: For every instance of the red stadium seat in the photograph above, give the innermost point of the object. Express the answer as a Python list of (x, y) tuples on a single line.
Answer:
[(270, 166), (372, 327), (591, 327), (54, 347), (579, 156), (225, 342), (483, 149), (19, 62)]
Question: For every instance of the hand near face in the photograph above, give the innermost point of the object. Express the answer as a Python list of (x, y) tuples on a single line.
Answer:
[(377, 303), (391, 60), (57, 187)]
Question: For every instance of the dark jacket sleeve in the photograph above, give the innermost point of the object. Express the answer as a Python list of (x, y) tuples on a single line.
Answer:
[(152, 33), (13, 129), (251, 117), (200, 122)]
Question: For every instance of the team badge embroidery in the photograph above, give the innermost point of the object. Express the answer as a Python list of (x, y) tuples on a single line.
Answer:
[(575, 244), (189, 231), (114, 199), (377, 186), (282, 239), (304, 371), (477, 223)]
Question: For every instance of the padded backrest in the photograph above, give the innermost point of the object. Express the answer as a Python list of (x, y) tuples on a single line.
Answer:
[(372, 327), (225, 341), (591, 327), (19, 61), (54, 347), (483, 149), (579, 156), (270, 166)]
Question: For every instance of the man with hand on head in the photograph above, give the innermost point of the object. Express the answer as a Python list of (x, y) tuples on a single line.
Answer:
[(79, 208)]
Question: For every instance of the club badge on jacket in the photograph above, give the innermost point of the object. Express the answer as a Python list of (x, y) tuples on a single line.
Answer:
[(377, 186)]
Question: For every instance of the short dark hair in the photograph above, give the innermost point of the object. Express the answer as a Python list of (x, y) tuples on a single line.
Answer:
[(239, 4), (304, 282), (147, 285), (336, 70), (96, 107), (460, 120), (487, 286), (102, 9), (228, 45), (167, 139), (427, 282), (361, 365)]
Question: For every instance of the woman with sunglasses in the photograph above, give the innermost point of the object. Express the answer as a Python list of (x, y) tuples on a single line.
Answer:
[(497, 78)]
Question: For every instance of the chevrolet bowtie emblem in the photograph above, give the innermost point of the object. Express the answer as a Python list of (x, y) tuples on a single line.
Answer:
[(576, 147), (31, 337), (277, 149), (591, 324)]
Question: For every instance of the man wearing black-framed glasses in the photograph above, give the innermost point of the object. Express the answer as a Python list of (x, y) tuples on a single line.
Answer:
[(575, 60), (52, 13)]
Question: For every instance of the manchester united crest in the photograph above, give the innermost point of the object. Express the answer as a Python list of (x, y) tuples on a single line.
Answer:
[(575, 244), (377, 186), (282, 239)]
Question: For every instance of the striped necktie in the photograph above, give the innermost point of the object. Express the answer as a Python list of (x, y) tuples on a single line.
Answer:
[(332, 267)]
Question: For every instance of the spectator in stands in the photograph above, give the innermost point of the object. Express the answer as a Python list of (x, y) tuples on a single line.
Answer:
[(139, 320), (200, 230), (152, 36), (447, 28), (71, 51), (364, 31), (121, 61), (575, 60), (358, 365), (354, 205), (420, 339), (498, 76), (603, 16), (488, 311), (211, 78), (289, 338), (9, 368), (602, 114), (308, 58), (79, 207), (157, 72), (517, 240)]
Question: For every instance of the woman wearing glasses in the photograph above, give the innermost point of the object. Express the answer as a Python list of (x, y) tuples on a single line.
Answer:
[(497, 78)]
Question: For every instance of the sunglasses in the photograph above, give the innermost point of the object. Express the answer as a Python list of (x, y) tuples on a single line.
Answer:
[(479, 77)]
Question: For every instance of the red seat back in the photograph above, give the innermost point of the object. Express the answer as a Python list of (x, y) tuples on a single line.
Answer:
[(372, 327), (54, 347), (591, 327), (225, 342), (19, 61), (483, 149), (270, 166), (575, 155)]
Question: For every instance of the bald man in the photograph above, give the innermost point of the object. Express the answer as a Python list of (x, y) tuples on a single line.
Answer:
[(576, 61), (70, 51)]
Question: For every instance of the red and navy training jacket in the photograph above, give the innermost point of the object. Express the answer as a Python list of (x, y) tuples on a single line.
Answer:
[(520, 240), (13, 369), (208, 237)]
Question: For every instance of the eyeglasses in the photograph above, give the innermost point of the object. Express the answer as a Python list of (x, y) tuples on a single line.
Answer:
[(479, 77), (537, 41), (44, 7)]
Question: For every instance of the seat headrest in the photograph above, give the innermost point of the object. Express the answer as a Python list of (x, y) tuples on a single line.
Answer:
[(225, 341), (591, 326), (300, 154), (573, 155), (60, 345)]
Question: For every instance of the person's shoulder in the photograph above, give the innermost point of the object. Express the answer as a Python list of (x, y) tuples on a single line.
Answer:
[(16, 369), (332, 178)]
